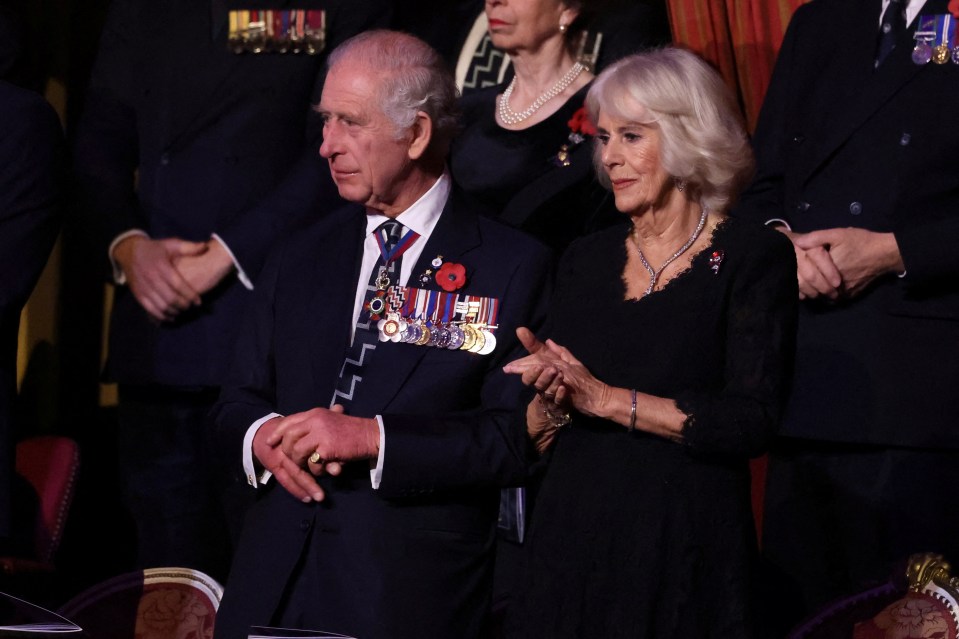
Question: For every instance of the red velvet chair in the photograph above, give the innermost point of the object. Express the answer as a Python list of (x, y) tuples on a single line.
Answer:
[(50, 465)]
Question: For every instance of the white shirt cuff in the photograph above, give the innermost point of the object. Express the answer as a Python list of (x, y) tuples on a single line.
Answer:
[(240, 273), (774, 221), (376, 473), (248, 468), (119, 277)]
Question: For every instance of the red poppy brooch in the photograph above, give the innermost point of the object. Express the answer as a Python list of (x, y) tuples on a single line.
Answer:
[(579, 129), (954, 8), (451, 276)]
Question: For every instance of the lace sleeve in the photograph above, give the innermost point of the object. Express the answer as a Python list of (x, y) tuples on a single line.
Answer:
[(761, 318)]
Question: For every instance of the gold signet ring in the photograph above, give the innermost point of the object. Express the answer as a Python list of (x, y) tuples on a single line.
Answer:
[(315, 458)]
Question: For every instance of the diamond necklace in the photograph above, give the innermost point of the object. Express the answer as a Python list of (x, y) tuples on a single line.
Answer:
[(508, 116), (654, 275)]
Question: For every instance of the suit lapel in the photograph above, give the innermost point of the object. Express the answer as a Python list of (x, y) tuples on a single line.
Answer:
[(338, 268), (455, 235), (870, 89)]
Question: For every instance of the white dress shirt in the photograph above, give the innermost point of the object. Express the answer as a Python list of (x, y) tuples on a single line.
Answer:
[(912, 9)]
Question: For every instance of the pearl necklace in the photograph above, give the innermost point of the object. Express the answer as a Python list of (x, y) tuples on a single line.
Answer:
[(508, 116), (654, 274)]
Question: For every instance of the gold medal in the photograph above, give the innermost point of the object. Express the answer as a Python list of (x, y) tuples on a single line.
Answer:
[(469, 338), (480, 341), (940, 54), (425, 337)]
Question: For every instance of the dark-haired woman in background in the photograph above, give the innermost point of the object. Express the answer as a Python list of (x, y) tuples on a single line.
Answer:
[(677, 332)]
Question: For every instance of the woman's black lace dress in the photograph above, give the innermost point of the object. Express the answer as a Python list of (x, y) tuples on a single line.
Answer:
[(634, 535)]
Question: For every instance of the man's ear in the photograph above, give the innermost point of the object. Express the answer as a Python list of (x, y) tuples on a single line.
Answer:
[(421, 133)]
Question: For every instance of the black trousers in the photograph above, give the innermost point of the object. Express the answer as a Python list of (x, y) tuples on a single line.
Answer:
[(839, 517), (173, 483)]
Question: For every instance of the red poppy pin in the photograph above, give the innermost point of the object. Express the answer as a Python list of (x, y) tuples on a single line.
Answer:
[(954, 8), (579, 129), (451, 276), (716, 260), (580, 123)]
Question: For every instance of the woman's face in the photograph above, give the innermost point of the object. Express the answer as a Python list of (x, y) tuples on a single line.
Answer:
[(526, 24), (630, 156)]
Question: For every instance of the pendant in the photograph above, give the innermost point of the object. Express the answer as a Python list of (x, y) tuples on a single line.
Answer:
[(382, 280)]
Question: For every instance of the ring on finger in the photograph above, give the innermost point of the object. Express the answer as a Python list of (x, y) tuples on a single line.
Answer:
[(315, 458)]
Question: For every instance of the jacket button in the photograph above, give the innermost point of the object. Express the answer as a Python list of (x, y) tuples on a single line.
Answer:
[(798, 139), (904, 140), (802, 207), (855, 208), (165, 159), (305, 525)]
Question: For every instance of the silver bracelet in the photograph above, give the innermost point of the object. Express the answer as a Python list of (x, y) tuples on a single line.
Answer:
[(632, 412)]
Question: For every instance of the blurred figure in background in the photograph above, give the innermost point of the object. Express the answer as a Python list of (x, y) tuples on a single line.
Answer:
[(181, 136), (856, 149), (31, 169)]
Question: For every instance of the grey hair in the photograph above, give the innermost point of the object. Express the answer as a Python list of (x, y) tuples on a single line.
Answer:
[(702, 137), (415, 78)]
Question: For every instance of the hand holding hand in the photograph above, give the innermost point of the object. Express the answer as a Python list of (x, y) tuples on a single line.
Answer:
[(205, 270), (860, 256), (291, 475), (153, 278), (331, 435), (818, 275)]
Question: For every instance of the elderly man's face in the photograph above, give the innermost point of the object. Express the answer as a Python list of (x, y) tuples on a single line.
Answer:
[(369, 165)]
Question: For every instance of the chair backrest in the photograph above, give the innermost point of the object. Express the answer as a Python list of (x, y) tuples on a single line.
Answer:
[(50, 464), (156, 603), (930, 607), (920, 601)]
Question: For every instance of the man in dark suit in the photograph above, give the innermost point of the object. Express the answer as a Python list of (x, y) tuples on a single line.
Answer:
[(31, 154), (395, 538), (857, 164), (180, 138)]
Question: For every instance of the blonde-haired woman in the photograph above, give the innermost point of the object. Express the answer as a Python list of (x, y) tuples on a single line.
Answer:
[(672, 338)]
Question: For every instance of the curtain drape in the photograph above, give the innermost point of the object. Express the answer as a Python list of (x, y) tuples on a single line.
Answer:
[(739, 37)]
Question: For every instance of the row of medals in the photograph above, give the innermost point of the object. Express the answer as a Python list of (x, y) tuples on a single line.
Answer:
[(924, 52), (262, 36), (256, 41), (475, 338)]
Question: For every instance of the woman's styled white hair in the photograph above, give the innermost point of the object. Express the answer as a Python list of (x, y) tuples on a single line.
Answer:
[(702, 138)]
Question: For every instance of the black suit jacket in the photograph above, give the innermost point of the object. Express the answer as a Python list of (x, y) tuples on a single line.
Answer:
[(411, 559), (839, 144), (31, 154), (182, 138)]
